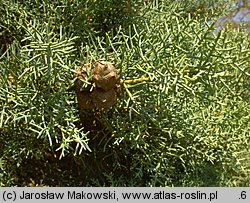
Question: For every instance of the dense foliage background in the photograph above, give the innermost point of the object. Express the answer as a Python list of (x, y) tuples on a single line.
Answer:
[(187, 126)]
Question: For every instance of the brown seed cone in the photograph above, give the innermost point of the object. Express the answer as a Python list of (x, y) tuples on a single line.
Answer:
[(84, 100), (104, 93), (105, 75), (103, 99), (81, 74)]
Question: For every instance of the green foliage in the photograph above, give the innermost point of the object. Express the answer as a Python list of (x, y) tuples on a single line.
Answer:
[(187, 126)]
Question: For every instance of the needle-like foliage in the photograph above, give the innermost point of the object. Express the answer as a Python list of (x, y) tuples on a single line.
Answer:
[(182, 118)]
